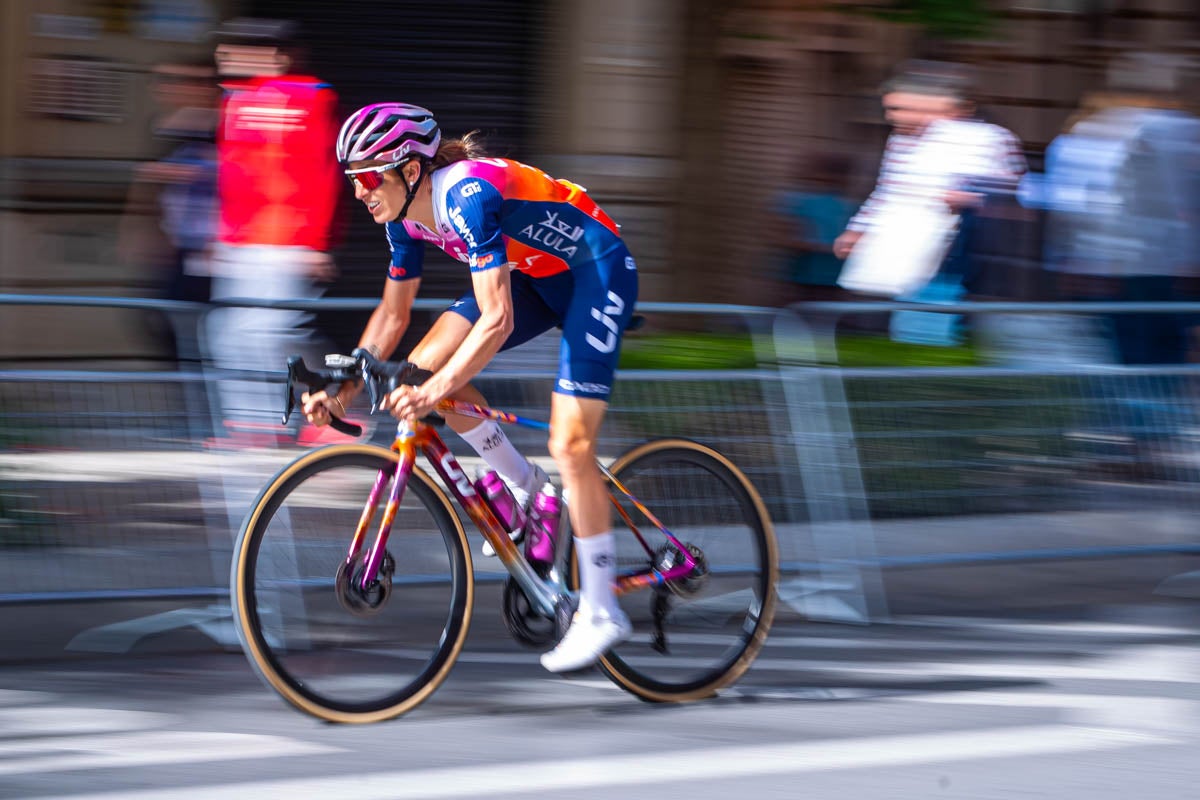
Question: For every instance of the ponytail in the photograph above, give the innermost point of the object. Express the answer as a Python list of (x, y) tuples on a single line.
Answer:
[(453, 150)]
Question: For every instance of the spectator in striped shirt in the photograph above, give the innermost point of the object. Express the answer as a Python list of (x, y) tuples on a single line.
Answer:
[(939, 163)]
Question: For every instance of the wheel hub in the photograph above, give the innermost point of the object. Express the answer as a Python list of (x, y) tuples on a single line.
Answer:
[(669, 557), (348, 584)]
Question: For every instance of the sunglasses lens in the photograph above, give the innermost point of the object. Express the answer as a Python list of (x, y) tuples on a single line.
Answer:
[(367, 180)]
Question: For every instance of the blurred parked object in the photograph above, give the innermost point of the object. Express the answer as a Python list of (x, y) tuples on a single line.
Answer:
[(809, 217), (278, 184)]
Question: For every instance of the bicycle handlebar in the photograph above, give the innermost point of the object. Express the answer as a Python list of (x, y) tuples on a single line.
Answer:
[(379, 377)]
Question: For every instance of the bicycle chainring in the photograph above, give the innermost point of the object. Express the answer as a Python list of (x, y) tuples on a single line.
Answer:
[(524, 623)]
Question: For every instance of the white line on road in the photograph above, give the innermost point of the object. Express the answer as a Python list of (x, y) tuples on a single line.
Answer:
[(1056, 628), (43, 720), (663, 767), (1160, 714), (1167, 664), (12, 697), (57, 754)]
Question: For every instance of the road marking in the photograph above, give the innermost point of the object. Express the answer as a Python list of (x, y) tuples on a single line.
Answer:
[(12, 697), (1141, 713), (669, 767), (1056, 628), (891, 642), (1166, 664), (57, 754), (58, 720), (1163, 663), (1157, 663)]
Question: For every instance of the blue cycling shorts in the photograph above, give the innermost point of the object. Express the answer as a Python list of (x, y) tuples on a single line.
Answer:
[(592, 303)]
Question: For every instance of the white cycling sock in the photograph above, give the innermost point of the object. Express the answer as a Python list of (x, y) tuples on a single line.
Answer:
[(597, 568), (493, 446)]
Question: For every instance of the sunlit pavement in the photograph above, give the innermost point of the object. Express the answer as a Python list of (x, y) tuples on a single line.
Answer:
[(1069, 688), (1107, 705)]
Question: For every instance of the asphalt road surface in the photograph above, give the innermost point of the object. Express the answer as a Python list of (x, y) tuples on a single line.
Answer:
[(1105, 705)]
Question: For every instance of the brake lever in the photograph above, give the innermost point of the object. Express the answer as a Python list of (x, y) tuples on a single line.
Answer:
[(364, 371), (365, 360), (382, 376), (289, 403), (297, 371)]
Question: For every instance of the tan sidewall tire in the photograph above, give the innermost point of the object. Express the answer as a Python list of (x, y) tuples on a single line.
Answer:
[(739, 667), (250, 641)]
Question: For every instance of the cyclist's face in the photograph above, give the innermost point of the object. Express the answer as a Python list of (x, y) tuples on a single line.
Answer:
[(385, 200)]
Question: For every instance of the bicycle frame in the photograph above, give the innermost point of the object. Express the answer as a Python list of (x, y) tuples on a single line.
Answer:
[(420, 437)]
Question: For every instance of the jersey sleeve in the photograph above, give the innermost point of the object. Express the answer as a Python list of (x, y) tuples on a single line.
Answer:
[(408, 254), (473, 206)]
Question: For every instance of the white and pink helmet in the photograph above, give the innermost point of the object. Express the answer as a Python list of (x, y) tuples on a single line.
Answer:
[(388, 132)]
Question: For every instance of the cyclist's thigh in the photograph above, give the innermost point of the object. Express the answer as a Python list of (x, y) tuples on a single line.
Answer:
[(600, 309)]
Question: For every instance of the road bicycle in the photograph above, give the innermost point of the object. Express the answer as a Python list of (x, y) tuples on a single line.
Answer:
[(353, 616)]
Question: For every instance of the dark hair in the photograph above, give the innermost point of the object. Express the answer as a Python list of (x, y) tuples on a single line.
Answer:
[(940, 78), (257, 31), (449, 151)]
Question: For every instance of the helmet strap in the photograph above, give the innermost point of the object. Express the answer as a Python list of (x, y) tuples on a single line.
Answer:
[(412, 190)]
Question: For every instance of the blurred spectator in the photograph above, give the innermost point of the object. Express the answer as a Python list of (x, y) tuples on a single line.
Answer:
[(938, 166), (1122, 194), (179, 194), (808, 220), (278, 184), (1122, 197)]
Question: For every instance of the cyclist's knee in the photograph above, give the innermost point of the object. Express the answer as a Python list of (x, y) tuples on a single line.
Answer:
[(572, 449)]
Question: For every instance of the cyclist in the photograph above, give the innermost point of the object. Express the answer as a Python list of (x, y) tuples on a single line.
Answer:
[(541, 254)]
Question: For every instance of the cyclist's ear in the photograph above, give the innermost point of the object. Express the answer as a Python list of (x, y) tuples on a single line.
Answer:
[(411, 171)]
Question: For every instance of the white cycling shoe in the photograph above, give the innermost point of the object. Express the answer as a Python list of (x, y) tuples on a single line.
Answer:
[(589, 637), (524, 496)]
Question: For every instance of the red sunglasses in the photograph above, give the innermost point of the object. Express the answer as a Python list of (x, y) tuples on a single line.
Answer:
[(370, 178)]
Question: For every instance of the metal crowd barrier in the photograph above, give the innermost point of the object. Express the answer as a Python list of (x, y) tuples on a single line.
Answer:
[(1049, 451), (106, 490)]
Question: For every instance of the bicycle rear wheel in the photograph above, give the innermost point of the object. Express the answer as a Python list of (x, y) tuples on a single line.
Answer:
[(329, 650), (712, 626)]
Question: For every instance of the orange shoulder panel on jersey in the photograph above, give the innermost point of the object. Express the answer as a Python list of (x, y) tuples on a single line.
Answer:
[(523, 182)]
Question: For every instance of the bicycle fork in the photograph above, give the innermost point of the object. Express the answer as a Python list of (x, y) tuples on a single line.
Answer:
[(420, 437)]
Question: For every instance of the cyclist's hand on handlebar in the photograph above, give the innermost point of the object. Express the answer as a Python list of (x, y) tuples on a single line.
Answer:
[(320, 407), (408, 402)]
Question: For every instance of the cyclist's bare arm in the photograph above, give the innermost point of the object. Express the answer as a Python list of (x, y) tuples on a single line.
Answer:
[(493, 292), (382, 334), (390, 318)]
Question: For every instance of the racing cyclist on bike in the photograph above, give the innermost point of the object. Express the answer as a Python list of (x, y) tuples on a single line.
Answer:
[(541, 254)]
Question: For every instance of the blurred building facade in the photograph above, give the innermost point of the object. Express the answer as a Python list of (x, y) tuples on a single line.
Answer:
[(685, 118), (76, 118)]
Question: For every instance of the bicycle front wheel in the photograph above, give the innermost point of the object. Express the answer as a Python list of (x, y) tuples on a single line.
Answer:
[(697, 635), (326, 646)]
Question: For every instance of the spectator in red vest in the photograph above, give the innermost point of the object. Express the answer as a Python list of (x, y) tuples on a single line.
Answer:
[(278, 182)]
